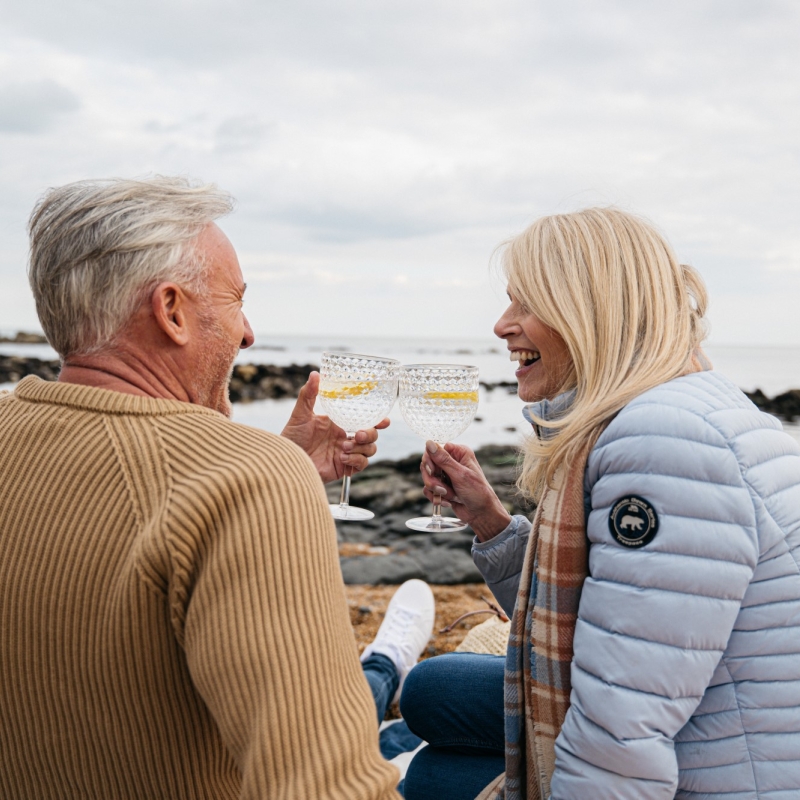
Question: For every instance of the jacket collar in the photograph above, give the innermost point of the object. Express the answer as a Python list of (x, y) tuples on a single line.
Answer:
[(548, 410)]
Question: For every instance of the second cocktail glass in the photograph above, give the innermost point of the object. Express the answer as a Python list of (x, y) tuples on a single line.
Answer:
[(438, 402), (356, 392)]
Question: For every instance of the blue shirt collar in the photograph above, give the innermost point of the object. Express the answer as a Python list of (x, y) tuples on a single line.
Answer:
[(548, 410)]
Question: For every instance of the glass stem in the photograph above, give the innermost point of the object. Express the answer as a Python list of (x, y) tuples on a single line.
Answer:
[(436, 519), (344, 500)]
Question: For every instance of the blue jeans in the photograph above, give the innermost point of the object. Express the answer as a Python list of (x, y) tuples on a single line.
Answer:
[(383, 680), (455, 703)]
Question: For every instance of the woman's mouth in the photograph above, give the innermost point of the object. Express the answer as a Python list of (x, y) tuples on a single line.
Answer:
[(526, 358)]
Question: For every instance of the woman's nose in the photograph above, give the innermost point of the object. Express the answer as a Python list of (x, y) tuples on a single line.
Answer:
[(505, 326)]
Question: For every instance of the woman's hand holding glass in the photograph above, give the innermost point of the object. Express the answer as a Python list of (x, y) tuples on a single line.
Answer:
[(465, 488)]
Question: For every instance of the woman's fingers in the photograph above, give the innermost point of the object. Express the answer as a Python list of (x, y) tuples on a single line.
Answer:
[(463, 454), (438, 496), (439, 458), (435, 482)]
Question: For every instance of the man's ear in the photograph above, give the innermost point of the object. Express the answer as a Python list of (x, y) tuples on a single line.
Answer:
[(169, 305)]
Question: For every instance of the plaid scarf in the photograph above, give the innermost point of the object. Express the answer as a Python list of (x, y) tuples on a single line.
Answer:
[(539, 655)]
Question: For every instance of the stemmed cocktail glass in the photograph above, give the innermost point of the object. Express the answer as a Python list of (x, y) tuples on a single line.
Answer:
[(438, 401), (356, 392)]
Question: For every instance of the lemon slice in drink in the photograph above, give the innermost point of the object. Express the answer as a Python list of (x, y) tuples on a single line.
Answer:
[(470, 397), (365, 387)]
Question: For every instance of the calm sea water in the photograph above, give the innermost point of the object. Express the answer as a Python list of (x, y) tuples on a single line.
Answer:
[(499, 420)]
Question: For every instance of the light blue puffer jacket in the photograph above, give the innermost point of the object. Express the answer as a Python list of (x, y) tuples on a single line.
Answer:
[(686, 673)]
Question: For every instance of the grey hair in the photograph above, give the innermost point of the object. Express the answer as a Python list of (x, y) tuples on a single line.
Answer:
[(98, 246)]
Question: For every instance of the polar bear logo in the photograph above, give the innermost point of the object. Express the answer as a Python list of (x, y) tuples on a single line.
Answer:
[(634, 523)]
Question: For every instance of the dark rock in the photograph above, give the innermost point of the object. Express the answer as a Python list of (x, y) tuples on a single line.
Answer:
[(786, 405), (406, 466), (452, 540), (21, 337), (432, 564), (413, 542), (380, 569), (393, 490), (267, 382), (248, 382), (446, 566), (509, 386), (14, 368)]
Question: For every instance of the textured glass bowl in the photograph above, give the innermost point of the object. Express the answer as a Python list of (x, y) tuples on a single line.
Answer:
[(357, 391), (438, 401)]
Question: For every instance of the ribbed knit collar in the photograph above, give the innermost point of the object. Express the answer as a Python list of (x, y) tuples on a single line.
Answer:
[(87, 398)]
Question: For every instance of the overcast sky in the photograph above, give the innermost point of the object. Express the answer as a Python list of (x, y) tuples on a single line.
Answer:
[(380, 151)]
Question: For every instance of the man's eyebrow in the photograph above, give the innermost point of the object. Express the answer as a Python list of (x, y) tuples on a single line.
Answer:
[(244, 288)]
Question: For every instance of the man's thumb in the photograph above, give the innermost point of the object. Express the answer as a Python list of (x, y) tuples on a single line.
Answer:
[(307, 395)]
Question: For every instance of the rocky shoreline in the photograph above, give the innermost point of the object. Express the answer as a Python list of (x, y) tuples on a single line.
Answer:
[(384, 550), (250, 382)]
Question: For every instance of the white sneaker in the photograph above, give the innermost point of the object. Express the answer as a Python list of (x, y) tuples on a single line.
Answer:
[(406, 628)]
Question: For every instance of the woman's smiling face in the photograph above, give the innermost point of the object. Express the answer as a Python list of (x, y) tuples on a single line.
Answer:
[(543, 355)]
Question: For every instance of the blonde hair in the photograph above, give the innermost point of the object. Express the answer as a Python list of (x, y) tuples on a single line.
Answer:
[(98, 246), (631, 316)]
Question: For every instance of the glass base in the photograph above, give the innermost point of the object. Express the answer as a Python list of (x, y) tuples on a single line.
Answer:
[(349, 513), (427, 524)]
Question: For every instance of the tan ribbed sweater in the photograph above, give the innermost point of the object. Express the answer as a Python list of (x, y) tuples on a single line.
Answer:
[(173, 622)]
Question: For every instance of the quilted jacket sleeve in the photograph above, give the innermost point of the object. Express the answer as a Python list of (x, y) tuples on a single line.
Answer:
[(500, 561), (655, 620)]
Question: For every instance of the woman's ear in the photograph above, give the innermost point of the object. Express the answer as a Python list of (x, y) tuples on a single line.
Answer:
[(169, 304)]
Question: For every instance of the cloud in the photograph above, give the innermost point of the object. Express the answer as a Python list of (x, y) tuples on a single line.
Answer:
[(35, 106), (380, 150), (241, 133)]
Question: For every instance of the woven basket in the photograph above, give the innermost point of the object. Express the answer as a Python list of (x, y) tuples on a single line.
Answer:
[(490, 637)]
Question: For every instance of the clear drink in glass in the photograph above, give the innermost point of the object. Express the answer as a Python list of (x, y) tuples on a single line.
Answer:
[(356, 392), (438, 402)]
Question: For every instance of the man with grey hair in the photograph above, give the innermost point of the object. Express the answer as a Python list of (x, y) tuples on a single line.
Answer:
[(172, 618)]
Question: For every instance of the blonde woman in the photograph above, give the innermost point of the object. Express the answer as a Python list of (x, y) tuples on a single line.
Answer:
[(655, 645)]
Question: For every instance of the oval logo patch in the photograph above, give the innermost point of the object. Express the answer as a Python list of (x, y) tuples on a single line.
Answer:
[(633, 521)]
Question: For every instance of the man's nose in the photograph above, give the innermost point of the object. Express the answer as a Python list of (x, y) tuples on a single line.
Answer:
[(248, 338)]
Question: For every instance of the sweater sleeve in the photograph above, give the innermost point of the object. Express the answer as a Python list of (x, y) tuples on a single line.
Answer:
[(500, 561), (653, 620), (263, 617)]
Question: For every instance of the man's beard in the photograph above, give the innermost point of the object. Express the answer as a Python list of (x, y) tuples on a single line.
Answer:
[(216, 367)]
